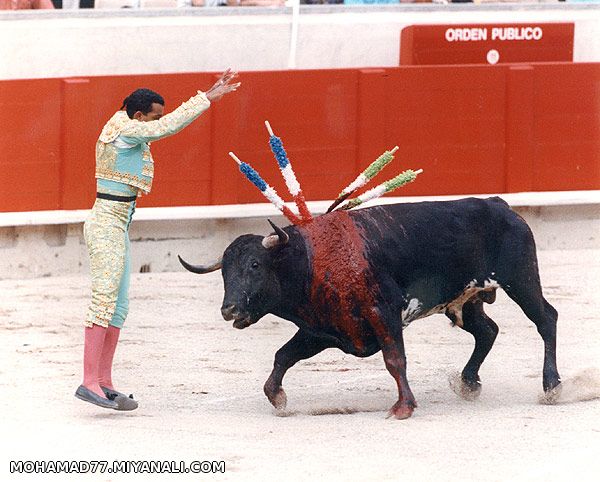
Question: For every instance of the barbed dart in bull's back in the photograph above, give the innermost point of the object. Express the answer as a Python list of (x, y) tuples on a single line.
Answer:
[(254, 177), (383, 188), (288, 174), (295, 190), (364, 177)]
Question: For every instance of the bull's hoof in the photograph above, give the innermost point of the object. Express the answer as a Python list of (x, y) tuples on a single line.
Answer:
[(551, 396), (277, 397), (465, 389), (402, 410)]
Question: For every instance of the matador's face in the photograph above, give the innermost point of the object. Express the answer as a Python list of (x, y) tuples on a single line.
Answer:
[(155, 114)]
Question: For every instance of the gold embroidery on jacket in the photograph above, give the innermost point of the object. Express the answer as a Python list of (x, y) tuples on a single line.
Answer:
[(148, 169), (141, 132), (125, 178)]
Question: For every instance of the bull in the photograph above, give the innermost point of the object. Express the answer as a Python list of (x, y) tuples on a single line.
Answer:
[(353, 280)]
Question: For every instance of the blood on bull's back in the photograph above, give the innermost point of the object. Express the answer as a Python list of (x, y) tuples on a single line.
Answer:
[(343, 289)]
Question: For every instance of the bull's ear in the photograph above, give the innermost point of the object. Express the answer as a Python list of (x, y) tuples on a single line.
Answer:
[(280, 238), (201, 269)]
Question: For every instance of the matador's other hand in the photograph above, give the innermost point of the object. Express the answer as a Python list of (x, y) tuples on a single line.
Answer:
[(223, 86)]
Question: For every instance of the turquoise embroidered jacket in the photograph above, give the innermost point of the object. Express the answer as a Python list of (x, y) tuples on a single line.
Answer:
[(123, 151)]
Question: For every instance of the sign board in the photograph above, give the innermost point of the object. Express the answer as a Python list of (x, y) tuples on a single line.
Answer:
[(486, 43)]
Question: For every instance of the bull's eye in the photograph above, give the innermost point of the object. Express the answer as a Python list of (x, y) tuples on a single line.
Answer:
[(254, 265)]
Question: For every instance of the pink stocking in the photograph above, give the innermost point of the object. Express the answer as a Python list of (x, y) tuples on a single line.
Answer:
[(92, 352), (106, 360)]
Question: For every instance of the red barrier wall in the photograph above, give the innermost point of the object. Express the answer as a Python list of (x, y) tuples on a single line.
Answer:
[(473, 129)]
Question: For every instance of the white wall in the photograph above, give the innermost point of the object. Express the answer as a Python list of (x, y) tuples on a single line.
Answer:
[(110, 42)]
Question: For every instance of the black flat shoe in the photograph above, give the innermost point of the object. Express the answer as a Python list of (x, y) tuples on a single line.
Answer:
[(87, 395), (123, 401)]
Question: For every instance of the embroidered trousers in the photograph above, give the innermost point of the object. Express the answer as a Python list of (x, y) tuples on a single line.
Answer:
[(106, 233)]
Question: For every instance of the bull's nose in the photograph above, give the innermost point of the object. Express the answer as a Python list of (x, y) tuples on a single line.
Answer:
[(228, 312)]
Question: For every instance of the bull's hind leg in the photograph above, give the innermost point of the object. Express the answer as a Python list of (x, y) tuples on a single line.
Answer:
[(519, 277), (484, 330), (529, 297), (300, 347)]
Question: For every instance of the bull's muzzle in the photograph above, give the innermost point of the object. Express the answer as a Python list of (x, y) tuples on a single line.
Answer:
[(229, 312), (240, 320)]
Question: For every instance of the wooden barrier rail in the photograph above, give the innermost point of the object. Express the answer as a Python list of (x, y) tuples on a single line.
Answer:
[(473, 129)]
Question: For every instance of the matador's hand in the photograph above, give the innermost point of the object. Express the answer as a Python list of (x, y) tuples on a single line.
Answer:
[(223, 86)]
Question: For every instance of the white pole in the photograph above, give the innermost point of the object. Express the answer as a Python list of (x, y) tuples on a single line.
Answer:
[(294, 34), (235, 158), (269, 128)]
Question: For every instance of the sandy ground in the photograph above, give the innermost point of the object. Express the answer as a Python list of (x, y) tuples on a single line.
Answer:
[(199, 383)]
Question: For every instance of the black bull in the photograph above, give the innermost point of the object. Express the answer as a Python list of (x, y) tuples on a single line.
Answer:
[(354, 279)]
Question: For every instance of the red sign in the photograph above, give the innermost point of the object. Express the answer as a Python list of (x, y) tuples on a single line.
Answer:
[(486, 43)]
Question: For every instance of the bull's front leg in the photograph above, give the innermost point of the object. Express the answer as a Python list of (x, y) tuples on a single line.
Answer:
[(300, 347), (389, 333)]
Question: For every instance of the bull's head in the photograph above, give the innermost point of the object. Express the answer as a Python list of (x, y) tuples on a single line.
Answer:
[(251, 285)]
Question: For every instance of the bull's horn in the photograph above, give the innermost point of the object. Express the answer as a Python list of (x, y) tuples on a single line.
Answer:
[(201, 269), (278, 239)]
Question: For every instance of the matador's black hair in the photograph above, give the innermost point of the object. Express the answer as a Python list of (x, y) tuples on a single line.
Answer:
[(141, 100)]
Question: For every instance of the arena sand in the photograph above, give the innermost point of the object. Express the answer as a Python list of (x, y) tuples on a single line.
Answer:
[(199, 384)]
